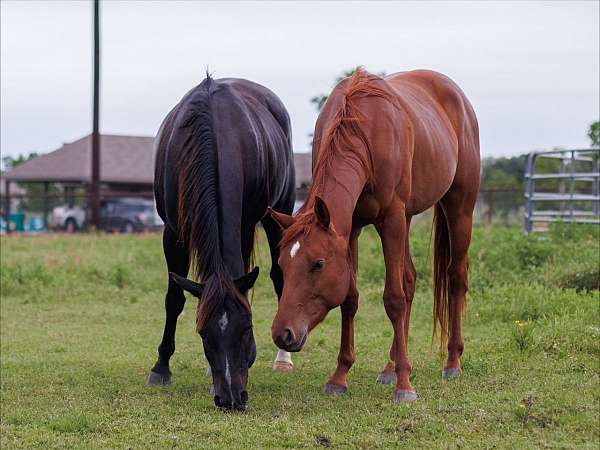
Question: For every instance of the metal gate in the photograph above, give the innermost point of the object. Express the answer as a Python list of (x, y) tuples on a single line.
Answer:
[(574, 196)]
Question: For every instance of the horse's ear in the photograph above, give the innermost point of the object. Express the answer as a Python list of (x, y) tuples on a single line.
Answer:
[(322, 212), (245, 283), (191, 286), (283, 220)]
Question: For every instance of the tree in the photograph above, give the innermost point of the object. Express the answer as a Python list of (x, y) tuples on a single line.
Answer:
[(594, 133), (10, 162)]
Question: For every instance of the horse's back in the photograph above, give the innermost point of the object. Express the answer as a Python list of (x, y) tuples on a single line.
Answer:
[(261, 145), (446, 135), (252, 141)]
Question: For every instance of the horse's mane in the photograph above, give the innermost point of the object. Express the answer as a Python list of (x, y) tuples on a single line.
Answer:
[(198, 209), (339, 138)]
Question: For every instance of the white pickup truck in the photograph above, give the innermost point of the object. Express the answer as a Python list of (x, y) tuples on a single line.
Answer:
[(68, 218)]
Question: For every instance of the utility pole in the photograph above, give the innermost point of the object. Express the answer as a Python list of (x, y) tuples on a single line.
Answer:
[(95, 186)]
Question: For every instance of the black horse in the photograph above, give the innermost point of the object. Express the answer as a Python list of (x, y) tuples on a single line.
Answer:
[(223, 156)]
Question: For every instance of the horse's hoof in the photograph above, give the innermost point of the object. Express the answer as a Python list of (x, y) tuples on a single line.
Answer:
[(404, 395), (335, 389), (282, 366), (386, 378), (159, 379), (451, 373)]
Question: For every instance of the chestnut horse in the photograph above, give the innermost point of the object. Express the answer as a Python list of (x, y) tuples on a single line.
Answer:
[(385, 150)]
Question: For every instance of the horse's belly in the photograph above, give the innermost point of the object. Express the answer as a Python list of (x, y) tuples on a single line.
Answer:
[(433, 171)]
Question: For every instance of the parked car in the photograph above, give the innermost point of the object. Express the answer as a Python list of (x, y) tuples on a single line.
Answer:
[(129, 215), (70, 218)]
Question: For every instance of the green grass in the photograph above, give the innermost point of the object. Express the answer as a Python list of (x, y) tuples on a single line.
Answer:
[(82, 316)]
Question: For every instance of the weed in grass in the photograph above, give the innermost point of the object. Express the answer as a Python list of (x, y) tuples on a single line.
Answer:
[(523, 335), (71, 423)]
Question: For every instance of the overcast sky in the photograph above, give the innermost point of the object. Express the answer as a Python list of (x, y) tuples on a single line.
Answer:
[(531, 69)]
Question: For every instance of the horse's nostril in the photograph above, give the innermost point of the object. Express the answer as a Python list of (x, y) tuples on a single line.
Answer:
[(288, 336), (217, 401), (244, 397)]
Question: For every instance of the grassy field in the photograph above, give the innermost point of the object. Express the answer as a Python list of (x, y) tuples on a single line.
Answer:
[(81, 317)]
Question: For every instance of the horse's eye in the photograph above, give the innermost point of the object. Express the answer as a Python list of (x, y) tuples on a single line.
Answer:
[(318, 265)]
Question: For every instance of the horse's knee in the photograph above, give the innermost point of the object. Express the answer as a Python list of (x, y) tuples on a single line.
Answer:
[(395, 304), (351, 302), (175, 299)]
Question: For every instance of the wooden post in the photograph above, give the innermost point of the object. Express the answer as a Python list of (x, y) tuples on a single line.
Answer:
[(95, 185), (490, 211), (46, 199)]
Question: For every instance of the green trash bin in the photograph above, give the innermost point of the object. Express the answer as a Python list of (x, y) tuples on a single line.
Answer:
[(17, 221)]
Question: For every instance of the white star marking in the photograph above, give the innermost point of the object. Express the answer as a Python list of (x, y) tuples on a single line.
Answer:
[(294, 249)]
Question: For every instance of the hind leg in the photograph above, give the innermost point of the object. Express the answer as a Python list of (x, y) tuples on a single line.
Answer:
[(283, 360), (177, 262), (458, 208), (388, 374)]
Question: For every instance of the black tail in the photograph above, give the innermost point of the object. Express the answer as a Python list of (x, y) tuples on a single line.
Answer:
[(198, 184)]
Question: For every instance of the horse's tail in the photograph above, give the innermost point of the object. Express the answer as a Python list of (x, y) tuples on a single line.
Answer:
[(198, 184), (441, 261)]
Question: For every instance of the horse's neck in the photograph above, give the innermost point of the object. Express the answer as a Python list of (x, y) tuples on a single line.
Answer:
[(231, 247), (231, 190), (343, 183)]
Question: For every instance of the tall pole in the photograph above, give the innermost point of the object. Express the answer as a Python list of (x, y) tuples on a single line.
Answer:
[(95, 187), (7, 205)]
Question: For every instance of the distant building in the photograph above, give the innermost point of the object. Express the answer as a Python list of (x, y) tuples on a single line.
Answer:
[(126, 167), (15, 193)]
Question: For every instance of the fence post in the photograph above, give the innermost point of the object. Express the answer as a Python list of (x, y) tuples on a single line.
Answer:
[(529, 192), (572, 186), (596, 188), (46, 186), (490, 211), (561, 184)]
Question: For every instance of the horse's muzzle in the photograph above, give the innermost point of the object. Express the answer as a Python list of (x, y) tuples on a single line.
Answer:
[(288, 341)]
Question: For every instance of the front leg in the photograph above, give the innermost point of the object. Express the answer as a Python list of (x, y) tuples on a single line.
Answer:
[(178, 262), (338, 383), (393, 232), (283, 360)]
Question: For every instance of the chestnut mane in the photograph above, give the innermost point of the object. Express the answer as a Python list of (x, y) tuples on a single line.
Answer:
[(339, 138)]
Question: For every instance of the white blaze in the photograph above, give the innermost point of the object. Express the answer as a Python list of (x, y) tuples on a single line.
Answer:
[(227, 373), (294, 249)]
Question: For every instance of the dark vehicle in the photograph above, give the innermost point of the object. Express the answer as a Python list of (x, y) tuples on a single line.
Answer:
[(130, 215)]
